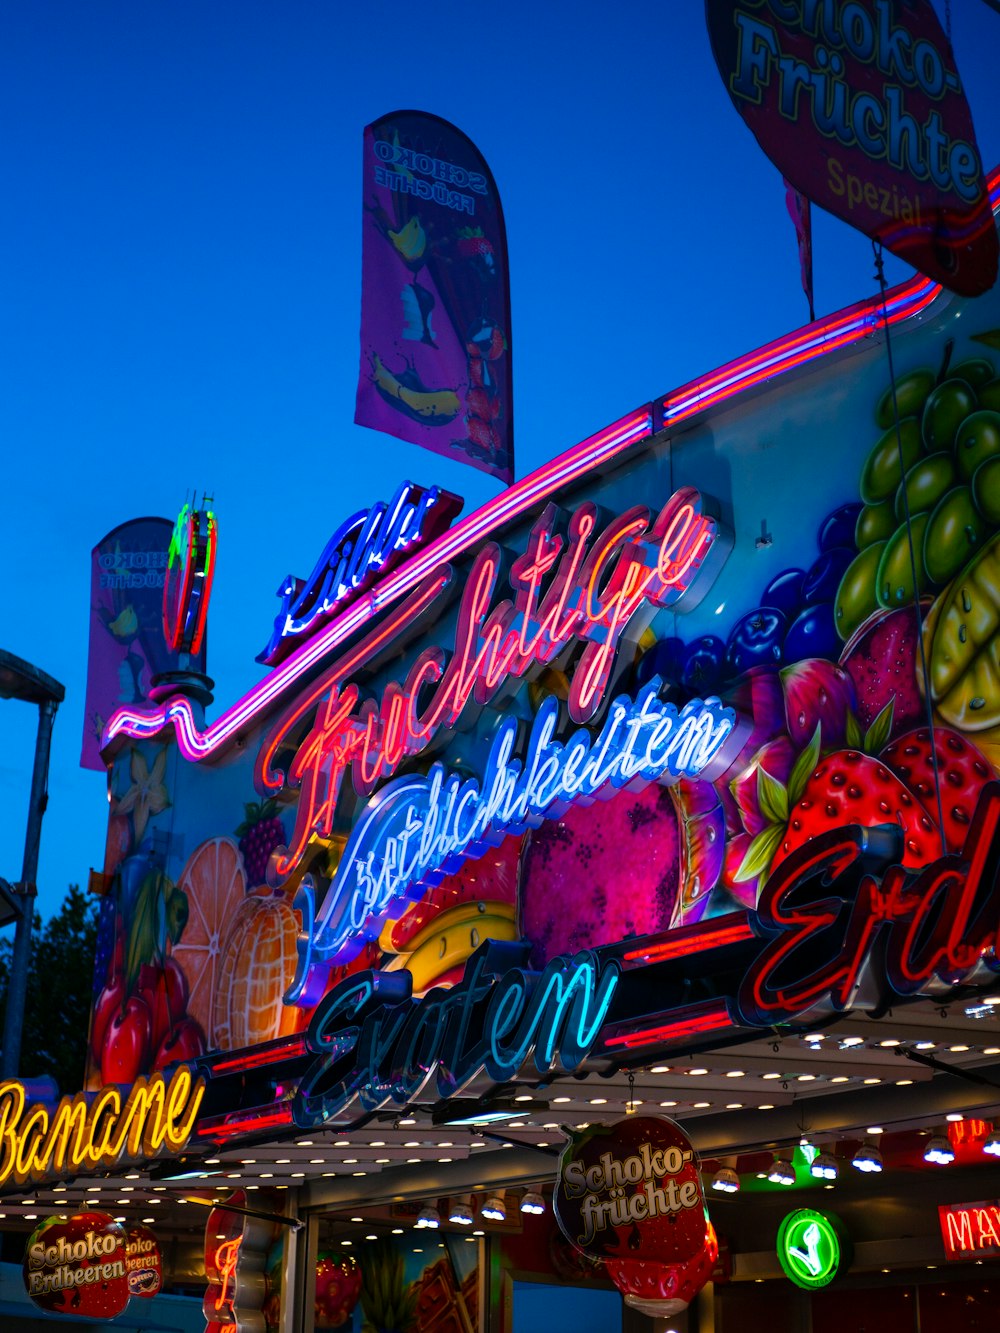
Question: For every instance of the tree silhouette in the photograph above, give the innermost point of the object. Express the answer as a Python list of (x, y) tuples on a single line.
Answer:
[(60, 990)]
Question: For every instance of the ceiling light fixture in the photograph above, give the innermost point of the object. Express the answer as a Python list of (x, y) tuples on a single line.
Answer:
[(494, 1209), (726, 1181), (824, 1167), (428, 1218), (939, 1151), (532, 1203), (991, 1145), (782, 1172), (869, 1159), (460, 1212)]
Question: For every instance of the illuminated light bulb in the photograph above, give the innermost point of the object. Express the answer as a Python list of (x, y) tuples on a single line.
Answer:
[(991, 1146), (782, 1172), (532, 1203), (824, 1167), (726, 1181), (460, 1213), (494, 1209), (428, 1218), (939, 1151), (869, 1159)]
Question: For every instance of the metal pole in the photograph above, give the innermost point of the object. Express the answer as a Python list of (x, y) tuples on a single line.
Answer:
[(18, 984)]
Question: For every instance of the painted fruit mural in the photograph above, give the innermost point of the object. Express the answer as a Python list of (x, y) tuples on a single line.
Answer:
[(888, 620)]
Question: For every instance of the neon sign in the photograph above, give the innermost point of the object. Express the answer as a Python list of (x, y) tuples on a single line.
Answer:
[(187, 585), (827, 919), (374, 1045), (591, 587), (85, 1133), (236, 1247), (419, 828), (970, 1229), (811, 1248), (364, 547)]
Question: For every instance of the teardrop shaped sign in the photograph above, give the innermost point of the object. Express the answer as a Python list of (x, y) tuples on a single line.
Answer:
[(861, 107)]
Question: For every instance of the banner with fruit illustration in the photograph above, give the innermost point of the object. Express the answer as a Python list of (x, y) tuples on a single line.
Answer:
[(861, 107), (127, 647), (435, 295)]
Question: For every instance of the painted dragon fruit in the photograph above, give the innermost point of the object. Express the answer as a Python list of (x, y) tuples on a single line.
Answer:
[(633, 865)]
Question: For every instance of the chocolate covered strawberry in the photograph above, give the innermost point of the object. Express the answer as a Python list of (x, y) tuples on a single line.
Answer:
[(662, 1290), (962, 770), (632, 1191), (76, 1266)]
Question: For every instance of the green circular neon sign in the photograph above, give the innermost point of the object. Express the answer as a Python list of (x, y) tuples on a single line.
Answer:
[(810, 1248)]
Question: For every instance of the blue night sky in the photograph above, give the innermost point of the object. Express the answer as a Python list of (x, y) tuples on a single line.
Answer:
[(179, 299)]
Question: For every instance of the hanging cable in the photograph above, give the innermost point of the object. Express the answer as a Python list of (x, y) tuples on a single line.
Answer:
[(925, 674)]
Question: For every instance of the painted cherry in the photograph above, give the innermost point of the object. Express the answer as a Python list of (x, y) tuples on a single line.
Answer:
[(186, 1042), (165, 993), (126, 1042), (108, 1003)]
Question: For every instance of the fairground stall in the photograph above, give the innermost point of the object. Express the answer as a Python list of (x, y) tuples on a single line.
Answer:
[(646, 814)]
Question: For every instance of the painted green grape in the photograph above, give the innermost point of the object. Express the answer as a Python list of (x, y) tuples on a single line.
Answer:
[(882, 473), (955, 531), (978, 438), (856, 599), (944, 411), (894, 580), (924, 484), (876, 523), (911, 394), (986, 489)]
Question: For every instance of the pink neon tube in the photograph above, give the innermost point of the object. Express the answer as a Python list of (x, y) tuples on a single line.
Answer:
[(766, 363)]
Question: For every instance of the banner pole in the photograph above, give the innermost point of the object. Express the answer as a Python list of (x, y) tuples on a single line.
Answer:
[(924, 672)]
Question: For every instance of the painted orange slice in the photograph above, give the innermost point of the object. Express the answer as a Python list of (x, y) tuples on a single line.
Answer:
[(215, 883)]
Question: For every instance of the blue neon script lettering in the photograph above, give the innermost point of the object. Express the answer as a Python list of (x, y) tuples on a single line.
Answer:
[(374, 1045), (361, 546), (417, 829)]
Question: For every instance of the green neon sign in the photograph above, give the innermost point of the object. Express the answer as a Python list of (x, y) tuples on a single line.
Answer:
[(810, 1248)]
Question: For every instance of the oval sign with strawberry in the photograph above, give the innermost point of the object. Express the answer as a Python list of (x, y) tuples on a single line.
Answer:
[(632, 1191), (76, 1266)]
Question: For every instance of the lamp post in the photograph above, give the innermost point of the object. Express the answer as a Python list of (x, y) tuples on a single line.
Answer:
[(21, 680)]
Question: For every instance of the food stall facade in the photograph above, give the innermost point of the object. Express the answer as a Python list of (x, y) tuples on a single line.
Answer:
[(689, 737)]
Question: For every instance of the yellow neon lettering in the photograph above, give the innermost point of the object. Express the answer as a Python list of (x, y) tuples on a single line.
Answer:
[(34, 1145)]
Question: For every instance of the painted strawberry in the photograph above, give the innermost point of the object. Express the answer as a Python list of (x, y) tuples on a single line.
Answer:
[(482, 433), (472, 244), (676, 1230), (485, 339), (259, 834), (850, 785), (481, 404), (963, 772), (338, 1286)]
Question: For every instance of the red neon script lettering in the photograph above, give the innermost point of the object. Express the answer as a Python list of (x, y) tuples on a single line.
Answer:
[(578, 587)]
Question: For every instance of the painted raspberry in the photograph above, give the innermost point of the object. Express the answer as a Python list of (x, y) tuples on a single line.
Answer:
[(259, 834)]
